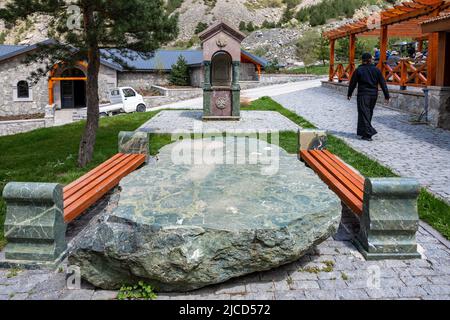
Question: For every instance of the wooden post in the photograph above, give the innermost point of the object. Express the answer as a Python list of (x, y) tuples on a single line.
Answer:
[(420, 45), (442, 59), (351, 57), (433, 41), (332, 47), (383, 48)]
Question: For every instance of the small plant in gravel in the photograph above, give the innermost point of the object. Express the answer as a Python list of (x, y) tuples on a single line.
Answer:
[(344, 276), (13, 273), (329, 267), (289, 280), (139, 291)]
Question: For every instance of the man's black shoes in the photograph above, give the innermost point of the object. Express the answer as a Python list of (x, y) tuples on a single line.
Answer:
[(366, 138)]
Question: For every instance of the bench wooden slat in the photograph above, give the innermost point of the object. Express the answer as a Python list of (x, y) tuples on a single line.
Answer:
[(76, 184), (93, 174), (354, 186), (353, 202), (87, 184), (98, 179), (345, 167), (99, 187)]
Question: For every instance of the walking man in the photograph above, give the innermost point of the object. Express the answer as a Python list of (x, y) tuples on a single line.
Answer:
[(367, 77)]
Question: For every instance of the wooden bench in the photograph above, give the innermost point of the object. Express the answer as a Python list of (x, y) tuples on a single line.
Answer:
[(37, 214), (87, 190), (344, 181), (386, 208)]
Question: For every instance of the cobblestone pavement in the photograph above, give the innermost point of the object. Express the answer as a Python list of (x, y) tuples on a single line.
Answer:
[(190, 121), (333, 270), (409, 150)]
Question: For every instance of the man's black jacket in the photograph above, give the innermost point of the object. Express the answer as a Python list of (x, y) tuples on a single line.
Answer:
[(368, 77)]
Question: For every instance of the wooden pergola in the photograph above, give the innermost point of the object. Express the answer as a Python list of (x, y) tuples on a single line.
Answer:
[(403, 20)]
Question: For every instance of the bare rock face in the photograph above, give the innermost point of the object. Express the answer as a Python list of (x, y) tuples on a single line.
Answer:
[(181, 227)]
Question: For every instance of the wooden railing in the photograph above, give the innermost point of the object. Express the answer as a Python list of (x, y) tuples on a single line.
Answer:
[(406, 74), (341, 73)]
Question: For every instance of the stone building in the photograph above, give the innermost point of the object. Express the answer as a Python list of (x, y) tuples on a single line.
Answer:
[(65, 87)]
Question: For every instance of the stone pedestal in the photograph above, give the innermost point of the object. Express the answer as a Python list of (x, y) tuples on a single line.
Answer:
[(439, 106), (34, 225)]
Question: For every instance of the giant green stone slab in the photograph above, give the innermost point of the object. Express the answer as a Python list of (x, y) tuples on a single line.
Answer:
[(185, 226)]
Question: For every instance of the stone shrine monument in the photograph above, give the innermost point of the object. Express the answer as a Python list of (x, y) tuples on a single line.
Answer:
[(221, 62)]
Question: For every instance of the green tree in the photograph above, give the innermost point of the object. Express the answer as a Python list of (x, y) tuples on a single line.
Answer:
[(312, 47), (179, 75), (250, 27), (201, 26), (242, 26), (83, 28), (322, 49), (272, 66)]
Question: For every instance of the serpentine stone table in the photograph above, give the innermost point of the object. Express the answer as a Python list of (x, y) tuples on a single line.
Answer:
[(183, 226)]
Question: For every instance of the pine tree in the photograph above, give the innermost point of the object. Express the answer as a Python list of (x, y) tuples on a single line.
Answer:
[(82, 28), (179, 75)]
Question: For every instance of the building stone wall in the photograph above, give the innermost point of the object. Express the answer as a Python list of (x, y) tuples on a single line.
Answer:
[(142, 81), (196, 74), (11, 72), (107, 80), (248, 72)]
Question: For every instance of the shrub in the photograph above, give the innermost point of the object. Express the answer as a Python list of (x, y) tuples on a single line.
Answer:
[(242, 26), (201, 26)]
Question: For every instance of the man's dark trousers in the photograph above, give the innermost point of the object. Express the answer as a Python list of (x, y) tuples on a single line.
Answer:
[(366, 105)]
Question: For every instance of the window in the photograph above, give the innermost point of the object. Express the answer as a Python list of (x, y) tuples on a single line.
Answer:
[(129, 93), (23, 91)]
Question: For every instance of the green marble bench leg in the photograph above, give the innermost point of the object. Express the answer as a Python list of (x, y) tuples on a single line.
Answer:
[(134, 143), (390, 219), (34, 225)]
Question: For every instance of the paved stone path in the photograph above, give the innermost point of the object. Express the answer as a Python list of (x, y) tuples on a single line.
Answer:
[(190, 121), (252, 94), (333, 270), (409, 150)]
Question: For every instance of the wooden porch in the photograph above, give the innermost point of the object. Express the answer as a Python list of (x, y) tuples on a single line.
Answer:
[(405, 20)]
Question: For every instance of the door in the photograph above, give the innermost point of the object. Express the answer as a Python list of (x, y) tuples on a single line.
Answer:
[(67, 96), (130, 99)]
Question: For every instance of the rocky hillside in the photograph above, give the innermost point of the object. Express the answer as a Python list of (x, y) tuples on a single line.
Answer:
[(275, 40)]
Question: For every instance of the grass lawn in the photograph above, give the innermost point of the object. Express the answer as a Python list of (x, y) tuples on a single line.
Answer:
[(49, 155), (319, 70)]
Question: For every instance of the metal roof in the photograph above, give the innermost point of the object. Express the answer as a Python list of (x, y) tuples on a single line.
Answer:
[(160, 60), (7, 49), (263, 62), (114, 58)]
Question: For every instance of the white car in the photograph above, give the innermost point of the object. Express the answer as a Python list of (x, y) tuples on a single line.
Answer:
[(123, 99)]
